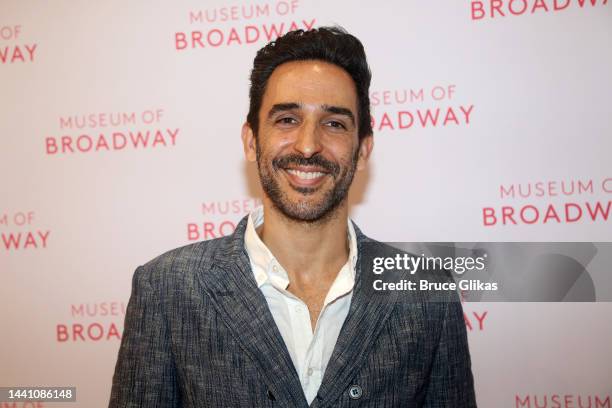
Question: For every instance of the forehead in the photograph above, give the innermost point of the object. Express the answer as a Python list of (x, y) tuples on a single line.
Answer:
[(311, 82)]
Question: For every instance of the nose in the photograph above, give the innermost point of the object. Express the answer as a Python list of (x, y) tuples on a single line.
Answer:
[(308, 141)]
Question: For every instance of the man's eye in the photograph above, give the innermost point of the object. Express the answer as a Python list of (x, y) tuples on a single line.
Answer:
[(336, 124), (287, 121)]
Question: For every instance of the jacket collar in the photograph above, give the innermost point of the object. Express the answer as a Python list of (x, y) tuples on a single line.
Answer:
[(233, 290)]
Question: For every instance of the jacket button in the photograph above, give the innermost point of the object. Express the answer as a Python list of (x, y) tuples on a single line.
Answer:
[(271, 396), (355, 392)]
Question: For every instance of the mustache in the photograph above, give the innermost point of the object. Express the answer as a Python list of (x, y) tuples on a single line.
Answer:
[(299, 160)]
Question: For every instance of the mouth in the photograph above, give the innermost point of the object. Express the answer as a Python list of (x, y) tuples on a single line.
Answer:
[(306, 177)]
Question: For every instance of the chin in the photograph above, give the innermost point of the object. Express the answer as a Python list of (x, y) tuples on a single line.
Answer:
[(307, 211)]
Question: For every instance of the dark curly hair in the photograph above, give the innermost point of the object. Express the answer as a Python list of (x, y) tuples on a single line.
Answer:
[(330, 44)]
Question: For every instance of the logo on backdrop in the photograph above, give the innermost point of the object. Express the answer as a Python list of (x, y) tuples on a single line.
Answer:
[(13, 49), (236, 25), (475, 318), (436, 106), (219, 218), (561, 401), (485, 9), (92, 322), (111, 132), (551, 202), (19, 232)]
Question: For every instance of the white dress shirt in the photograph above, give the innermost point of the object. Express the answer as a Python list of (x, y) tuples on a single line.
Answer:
[(310, 351)]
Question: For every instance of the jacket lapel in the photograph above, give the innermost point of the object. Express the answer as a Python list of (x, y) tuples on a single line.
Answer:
[(243, 308), (366, 317)]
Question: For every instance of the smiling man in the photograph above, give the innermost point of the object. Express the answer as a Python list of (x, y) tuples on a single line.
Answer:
[(279, 313)]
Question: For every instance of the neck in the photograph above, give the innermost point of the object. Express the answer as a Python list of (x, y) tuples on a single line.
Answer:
[(308, 251)]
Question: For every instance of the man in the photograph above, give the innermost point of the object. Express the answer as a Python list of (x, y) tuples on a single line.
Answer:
[(279, 313)]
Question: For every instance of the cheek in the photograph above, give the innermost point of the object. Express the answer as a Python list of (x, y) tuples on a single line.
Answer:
[(342, 152), (273, 142), (268, 152)]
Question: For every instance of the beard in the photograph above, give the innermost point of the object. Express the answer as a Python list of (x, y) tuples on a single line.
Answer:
[(305, 210)]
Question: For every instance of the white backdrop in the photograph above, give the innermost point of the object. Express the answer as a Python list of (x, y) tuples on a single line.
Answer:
[(120, 126)]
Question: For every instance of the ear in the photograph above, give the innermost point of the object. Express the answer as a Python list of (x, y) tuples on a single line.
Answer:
[(249, 143), (365, 149)]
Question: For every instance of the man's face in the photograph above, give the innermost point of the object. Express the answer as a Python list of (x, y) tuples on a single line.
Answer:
[(307, 148)]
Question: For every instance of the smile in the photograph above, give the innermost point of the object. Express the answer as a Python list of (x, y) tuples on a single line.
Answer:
[(306, 175), (305, 178)]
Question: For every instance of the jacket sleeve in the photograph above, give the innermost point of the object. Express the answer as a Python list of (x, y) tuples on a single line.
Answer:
[(145, 375), (451, 383)]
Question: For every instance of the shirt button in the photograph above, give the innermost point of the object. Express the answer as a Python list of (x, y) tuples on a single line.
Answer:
[(298, 309), (309, 372), (274, 268), (355, 392)]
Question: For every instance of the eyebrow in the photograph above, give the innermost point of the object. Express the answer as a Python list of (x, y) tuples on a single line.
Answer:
[(282, 107), (338, 110)]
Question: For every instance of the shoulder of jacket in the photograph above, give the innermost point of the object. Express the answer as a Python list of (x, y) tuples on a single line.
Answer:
[(179, 264)]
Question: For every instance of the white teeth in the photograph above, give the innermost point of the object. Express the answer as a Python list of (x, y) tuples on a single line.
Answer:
[(306, 175)]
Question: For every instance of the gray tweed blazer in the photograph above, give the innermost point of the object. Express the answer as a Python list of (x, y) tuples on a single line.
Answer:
[(198, 333)]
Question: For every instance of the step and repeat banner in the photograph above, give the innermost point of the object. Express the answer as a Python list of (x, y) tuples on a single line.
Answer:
[(120, 139)]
